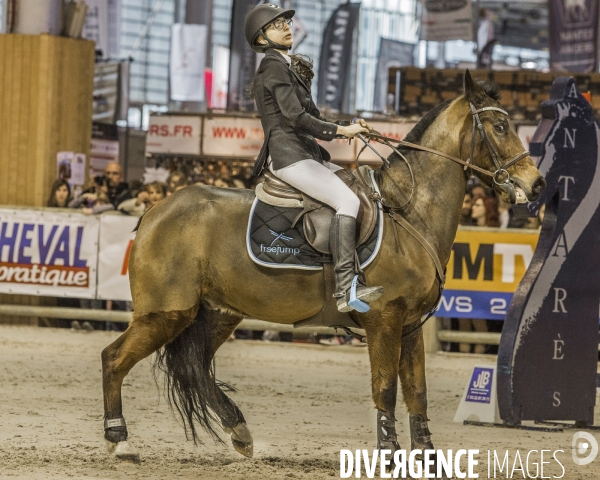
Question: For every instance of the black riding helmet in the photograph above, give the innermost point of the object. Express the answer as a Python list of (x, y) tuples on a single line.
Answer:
[(258, 19)]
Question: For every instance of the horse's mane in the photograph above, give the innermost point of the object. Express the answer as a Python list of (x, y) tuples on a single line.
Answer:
[(414, 136)]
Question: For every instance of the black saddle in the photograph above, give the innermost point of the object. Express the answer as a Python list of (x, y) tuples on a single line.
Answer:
[(317, 216)]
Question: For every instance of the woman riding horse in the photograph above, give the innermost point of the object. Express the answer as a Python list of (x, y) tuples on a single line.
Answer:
[(291, 122)]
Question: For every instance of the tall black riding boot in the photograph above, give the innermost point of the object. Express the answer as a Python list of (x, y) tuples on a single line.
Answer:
[(342, 240)]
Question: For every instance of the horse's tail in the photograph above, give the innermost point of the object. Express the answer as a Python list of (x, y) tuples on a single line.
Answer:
[(190, 384)]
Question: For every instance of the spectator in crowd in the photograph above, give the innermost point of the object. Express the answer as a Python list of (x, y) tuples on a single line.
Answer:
[(60, 194), (223, 182), (465, 211), (118, 190), (173, 180), (484, 212), (152, 194), (95, 200), (182, 183)]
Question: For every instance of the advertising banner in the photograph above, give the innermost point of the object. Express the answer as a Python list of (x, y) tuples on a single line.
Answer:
[(336, 55), (187, 62), (484, 270), (392, 53), (232, 137), (174, 134), (443, 20), (242, 59), (573, 43), (387, 129), (116, 240), (46, 253)]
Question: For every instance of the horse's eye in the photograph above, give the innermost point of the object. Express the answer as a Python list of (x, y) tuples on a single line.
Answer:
[(500, 128)]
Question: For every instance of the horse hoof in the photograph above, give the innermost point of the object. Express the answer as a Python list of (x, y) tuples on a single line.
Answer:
[(125, 452), (110, 446), (241, 439)]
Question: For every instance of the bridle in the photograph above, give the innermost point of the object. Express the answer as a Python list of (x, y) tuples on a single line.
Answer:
[(500, 176)]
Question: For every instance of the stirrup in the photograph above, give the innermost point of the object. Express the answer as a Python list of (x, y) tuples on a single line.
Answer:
[(354, 302)]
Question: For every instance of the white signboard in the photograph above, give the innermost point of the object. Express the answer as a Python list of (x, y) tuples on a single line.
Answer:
[(116, 240), (443, 20), (174, 134), (525, 133), (391, 130), (340, 150), (102, 152), (232, 137), (47, 253)]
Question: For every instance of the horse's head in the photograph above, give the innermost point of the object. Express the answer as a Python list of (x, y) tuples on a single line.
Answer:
[(495, 146)]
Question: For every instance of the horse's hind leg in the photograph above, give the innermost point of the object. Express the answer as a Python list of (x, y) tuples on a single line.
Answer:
[(414, 389), (222, 325), (146, 334), (192, 387)]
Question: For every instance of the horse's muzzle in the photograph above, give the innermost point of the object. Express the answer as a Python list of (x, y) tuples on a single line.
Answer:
[(537, 188)]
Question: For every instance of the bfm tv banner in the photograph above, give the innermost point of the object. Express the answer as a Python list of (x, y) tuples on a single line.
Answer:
[(43, 252)]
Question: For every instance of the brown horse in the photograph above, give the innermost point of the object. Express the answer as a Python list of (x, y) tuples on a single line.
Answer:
[(192, 280)]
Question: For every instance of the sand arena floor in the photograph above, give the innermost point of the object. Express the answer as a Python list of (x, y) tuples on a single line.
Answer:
[(303, 403)]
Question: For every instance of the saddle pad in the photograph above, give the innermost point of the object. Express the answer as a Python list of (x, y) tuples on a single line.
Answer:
[(272, 242)]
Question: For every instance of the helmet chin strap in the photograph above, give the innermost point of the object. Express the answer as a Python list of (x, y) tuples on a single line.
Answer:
[(272, 44)]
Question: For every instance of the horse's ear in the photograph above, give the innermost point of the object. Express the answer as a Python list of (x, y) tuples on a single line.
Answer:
[(473, 92)]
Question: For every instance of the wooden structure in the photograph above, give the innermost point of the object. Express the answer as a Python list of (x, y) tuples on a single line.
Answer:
[(46, 85), (422, 89)]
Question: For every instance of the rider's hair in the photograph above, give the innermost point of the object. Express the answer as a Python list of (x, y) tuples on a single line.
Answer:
[(302, 65)]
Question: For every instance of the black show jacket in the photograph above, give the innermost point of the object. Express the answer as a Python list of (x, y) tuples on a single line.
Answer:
[(290, 119)]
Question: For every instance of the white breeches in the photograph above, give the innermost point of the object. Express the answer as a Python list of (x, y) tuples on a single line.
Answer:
[(319, 181)]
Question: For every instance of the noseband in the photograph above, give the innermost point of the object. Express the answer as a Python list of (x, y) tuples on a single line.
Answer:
[(501, 176)]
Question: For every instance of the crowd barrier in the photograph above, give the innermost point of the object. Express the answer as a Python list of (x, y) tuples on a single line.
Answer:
[(62, 253)]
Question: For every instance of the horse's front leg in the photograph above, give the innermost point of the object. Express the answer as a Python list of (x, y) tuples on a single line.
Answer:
[(414, 389), (383, 340)]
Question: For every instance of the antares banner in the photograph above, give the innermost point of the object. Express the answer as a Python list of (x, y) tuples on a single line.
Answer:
[(45, 253), (484, 270), (336, 55), (574, 35)]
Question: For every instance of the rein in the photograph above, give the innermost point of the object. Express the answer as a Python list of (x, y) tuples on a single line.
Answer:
[(501, 177)]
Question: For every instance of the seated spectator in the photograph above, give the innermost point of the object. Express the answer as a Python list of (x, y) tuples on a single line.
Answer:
[(118, 190), (60, 194), (485, 214), (152, 194), (465, 211), (223, 182), (182, 183), (173, 180), (95, 200)]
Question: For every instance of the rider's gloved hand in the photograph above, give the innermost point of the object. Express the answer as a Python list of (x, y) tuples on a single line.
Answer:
[(363, 123), (351, 130)]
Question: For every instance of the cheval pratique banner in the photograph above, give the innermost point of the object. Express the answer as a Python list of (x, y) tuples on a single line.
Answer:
[(44, 252)]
